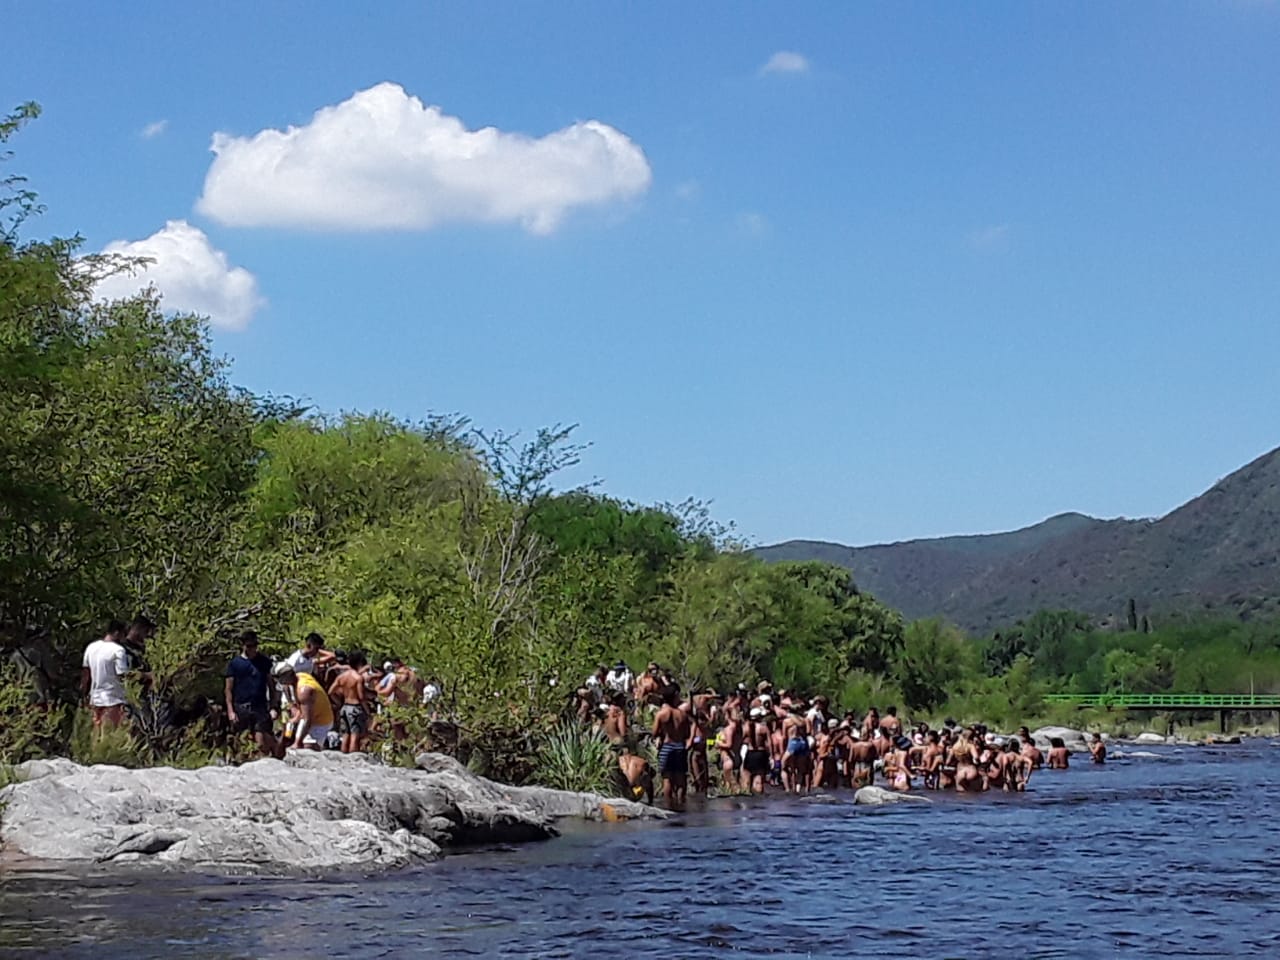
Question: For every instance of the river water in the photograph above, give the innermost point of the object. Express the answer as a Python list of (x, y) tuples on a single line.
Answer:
[(1176, 855)]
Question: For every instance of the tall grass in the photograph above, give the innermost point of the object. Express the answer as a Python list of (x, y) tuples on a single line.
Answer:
[(578, 758)]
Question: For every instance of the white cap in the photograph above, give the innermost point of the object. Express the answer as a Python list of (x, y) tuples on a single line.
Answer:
[(282, 668)]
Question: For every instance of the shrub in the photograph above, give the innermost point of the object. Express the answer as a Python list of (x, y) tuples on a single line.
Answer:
[(574, 757)]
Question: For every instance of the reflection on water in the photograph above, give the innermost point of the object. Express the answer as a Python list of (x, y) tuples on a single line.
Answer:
[(1168, 857)]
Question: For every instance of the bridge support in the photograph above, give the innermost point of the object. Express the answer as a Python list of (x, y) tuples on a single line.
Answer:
[(1222, 721)]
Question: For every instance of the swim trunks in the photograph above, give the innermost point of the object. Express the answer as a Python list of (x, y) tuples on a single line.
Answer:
[(253, 718), (798, 746), (352, 719), (673, 758), (757, 762)]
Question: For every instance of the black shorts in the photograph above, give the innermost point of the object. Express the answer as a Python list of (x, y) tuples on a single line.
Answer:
[(252, 718), (757, 762)]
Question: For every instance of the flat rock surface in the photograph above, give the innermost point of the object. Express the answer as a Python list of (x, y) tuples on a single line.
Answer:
[(312, 812)]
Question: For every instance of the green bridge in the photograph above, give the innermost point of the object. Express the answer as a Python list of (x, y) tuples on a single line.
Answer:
[(1224, 703)]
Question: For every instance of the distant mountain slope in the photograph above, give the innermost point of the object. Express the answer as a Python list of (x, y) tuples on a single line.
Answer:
[(1222, 549)]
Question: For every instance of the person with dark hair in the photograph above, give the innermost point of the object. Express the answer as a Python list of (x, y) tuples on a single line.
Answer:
[(671, 731), (315, 712), (1098, 749), (1059, 755), (311, 657), (349, 690), (891, 724), (102, 674), (247, 691)]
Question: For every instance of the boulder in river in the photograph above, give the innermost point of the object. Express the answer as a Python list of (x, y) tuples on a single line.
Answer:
[(311, 812), (1075, 740), (1149, 737), (877, 796)]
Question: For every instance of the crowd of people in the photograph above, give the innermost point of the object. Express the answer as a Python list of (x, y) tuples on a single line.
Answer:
[(750, 740), (756, 740), (314, 698)]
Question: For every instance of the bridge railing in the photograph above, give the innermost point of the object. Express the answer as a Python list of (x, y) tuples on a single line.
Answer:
[(1209, 701)]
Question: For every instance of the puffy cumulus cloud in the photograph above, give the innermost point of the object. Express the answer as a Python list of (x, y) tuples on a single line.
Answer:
[(190, 273), (382, 160), (786, 61)]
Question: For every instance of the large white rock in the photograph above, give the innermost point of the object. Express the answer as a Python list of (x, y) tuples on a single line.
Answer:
[(876, 796), (1075, 740), (1149, 737), (310, 812)]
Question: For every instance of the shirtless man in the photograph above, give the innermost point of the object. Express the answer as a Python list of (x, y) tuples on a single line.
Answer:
[(1029, 749), (1059, 755), (870, 724), (862, 762), (615, 717), (729, 744), (797, 761), (1015, 767), (1098, 749), (756, 763), (891, 724), (348, 691), (648, 687), (638, 774), (671, 732), (826, 772)]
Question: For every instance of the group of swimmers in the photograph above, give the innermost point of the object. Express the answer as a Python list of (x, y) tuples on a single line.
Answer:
[(761, 740)]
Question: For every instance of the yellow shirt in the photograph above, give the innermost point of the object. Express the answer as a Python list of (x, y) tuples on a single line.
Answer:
[(321, 709)]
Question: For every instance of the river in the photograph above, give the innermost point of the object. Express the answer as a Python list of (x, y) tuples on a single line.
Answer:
[(1173, 855)]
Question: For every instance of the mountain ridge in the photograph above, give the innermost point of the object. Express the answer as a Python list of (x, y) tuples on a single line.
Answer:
[(1219, 551)]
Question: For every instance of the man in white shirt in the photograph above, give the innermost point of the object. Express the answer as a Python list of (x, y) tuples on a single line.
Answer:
[(619, 679), (102, 676)]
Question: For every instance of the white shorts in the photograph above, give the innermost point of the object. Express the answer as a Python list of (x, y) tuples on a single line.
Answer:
[(316, 734)]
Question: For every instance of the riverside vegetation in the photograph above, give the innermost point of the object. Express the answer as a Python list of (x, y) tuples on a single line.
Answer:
[(135, 478)]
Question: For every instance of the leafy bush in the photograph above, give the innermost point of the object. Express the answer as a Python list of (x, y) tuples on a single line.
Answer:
[(27, 729), (574, 757)]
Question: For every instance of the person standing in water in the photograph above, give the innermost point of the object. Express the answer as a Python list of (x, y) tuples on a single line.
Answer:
[(671, 731), (1098, 749)]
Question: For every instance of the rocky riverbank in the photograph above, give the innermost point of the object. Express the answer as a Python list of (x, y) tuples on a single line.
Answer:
[(309, 813)]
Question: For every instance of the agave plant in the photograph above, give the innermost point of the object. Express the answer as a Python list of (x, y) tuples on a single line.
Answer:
[(574, 757)]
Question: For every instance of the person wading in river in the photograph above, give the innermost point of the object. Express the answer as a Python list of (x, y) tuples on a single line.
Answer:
[(671, 731), (1098, 749)]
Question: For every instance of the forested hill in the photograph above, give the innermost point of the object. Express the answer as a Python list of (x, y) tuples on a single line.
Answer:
[(1220, 552)]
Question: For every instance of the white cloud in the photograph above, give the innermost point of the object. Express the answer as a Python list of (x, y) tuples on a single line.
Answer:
[(688, 190), (190, 273), (153, 130), (786, 61), (989, 236), (752, 224), (383, 161)]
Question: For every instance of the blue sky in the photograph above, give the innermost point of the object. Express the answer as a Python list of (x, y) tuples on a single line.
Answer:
[(938, 269)]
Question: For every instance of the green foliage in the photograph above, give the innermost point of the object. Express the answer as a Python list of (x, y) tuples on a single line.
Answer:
[(110, 745), (935, 656), (27, 729), (575, 757)]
